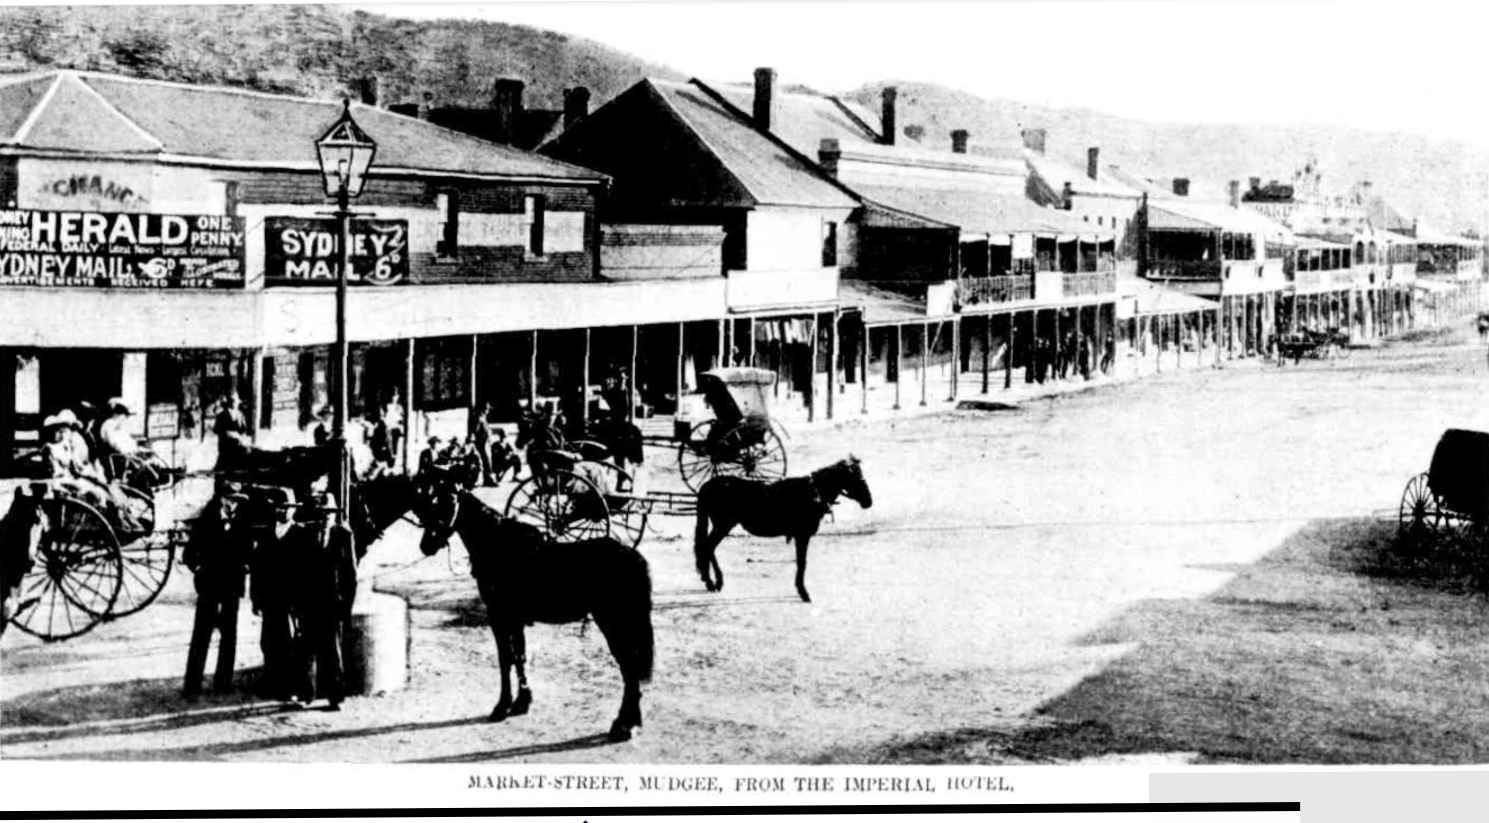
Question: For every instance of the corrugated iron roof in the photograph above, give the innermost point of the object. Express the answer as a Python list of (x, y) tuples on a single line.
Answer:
[(1180, 214), (90, 112), (770, 172), (977, 211), (803, 120)]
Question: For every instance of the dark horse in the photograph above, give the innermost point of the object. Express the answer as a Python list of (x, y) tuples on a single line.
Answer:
[(524, 578), (792, 508), (18, 533)]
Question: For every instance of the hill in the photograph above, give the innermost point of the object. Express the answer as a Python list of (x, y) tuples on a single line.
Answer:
[(319, 51), (1445, 182)]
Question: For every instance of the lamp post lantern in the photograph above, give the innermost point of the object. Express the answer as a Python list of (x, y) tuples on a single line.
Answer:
[(345, 153)]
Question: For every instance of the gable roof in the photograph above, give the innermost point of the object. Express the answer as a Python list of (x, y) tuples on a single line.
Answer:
[(86, 112), (803, 120), (768, 169)]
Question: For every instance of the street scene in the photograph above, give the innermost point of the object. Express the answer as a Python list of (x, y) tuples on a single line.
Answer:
[(1087, 578), (407, 386)]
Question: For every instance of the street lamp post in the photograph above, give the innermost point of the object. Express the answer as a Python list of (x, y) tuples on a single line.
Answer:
[(345, 153)]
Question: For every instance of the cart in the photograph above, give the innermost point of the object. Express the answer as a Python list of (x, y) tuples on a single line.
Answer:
[(1316, 345), (741, 439), (1451, 499)]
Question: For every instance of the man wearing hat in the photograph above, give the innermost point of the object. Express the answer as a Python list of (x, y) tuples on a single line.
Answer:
[(217, 552), (274, 567), (231, 428), (326, 586)]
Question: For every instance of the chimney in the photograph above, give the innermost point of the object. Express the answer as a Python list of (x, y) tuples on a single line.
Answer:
[(765, 97), (506, 106), (1093, 164), (959, 141), (828, 155), (887, 98), (425, 105), (1234, 187), (576, 106), (1067, 196), (1181, 186), (367, 89), (1034, 140)]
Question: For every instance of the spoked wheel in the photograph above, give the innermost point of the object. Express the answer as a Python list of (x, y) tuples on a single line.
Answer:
[(1420, 518), (753, 452), (75, 576), (567, 507), (147, 554), (694, 457), (628, 515)]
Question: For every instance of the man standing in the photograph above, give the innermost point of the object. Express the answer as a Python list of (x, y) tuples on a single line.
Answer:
[(217, 553), (479, 430), (231, 428), (275, 566), (323, 603)]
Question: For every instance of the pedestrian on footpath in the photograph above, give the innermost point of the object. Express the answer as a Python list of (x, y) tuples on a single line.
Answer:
[(217, 552), (323, 602), (274, 567), (478, 428)]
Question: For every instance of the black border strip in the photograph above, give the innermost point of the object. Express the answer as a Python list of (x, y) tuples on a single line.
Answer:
[(661, 811)]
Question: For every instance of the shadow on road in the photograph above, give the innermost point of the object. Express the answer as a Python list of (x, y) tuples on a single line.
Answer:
[(592, 741), (119, 705), (1340, 646)]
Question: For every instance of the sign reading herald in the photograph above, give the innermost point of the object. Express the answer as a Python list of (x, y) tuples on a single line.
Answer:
[(302, 251), (143, 251)]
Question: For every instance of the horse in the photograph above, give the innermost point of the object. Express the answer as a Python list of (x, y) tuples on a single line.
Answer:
[(792, 508), (524, 578), (20, 530)]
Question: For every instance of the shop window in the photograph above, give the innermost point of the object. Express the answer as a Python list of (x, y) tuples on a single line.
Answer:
[(443, 373), (448, 205), (829, 244), (533, 207)]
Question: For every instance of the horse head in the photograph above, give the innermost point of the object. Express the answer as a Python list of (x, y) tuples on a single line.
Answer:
[(438, 507), (850, 478)]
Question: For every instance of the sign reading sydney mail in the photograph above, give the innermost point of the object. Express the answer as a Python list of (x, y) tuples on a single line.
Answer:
[(79, 248), (305, 252)]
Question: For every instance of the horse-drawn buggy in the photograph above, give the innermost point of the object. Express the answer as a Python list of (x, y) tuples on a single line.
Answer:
[(741, 439), (1450, 501), (1319, 345)]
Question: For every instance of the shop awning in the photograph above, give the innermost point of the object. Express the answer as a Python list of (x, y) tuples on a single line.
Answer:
[(974, 211), (1152, 299)]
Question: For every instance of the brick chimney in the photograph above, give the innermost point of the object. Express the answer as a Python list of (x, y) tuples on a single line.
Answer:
[(765, 98), (828, 155), (1181, 186), (1234, 187), (506, 108), (576, 105), (367, 90), (1093, 162), (425, 105), (1034, 140), (959, 141), (1067, 196), (888, 126)]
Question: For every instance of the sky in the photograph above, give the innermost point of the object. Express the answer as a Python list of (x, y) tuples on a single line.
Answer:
[(1402, 66)]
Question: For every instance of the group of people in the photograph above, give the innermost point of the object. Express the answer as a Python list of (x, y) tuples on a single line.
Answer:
[(299, 571), (79, 445)]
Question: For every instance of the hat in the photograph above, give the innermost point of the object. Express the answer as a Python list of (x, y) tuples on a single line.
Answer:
[(116, 404), (64, 418), (280, 498), (51, 420)]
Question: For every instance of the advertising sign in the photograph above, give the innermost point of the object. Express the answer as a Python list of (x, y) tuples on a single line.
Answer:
[(100, 249), (305, 251)]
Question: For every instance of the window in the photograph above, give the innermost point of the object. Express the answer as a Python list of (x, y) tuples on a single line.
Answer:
[(448, 205), (532, 217), (829, 243)]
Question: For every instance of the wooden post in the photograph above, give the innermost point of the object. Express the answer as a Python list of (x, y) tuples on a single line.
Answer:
[(832, 361), (631, 376), (408, 406), (956, 357), (532, 373), (584, 386), (863, 366), (681, 351), (256, 416), (899, 361), (1055, 366), (987, 345), (472, 386), (750, 343), (1008, 357), (812, 370), (722, 342), (925, 358), (1158, 344)]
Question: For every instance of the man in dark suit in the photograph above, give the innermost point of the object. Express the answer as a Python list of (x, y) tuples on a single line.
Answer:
[(217, 553), (327, 585), (275, 566)]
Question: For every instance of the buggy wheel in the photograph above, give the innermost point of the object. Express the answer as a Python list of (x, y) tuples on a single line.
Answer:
[(75, 576), (694, 458), (749, 451), (1420, 517), (628, 515), (565, 506), (147, 555)]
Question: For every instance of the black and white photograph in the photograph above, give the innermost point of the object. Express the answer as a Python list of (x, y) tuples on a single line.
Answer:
[(958, 384)]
